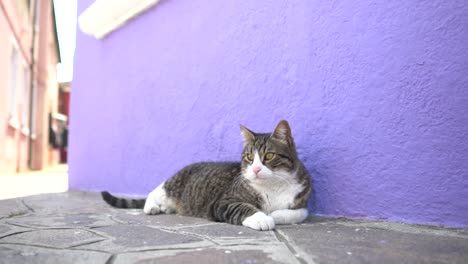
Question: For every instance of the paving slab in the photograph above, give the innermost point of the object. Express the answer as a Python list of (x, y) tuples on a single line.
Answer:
[(12, 207), (234, 255), (72, 202), (336, 241), (123, 238), (54, 238), (75, 227), (7, 230), (28, 254), (62, 220)]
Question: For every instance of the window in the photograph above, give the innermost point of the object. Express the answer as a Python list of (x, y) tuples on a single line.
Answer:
[(13, 83)]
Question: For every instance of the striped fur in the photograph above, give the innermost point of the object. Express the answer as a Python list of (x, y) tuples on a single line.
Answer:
[(122, 202), (233, 192)]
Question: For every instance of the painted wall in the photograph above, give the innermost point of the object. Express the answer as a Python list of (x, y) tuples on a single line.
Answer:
[(376, 94), (16, 34)]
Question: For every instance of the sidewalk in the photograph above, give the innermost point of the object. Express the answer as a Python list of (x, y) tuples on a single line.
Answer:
[(50, 180), (78, 227)]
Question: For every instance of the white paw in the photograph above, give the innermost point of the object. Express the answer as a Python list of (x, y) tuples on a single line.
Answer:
[(287, 216), (259, 221), (151, 208), (156, 202)]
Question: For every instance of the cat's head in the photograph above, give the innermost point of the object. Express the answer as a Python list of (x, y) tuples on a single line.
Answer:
[(268, 156)]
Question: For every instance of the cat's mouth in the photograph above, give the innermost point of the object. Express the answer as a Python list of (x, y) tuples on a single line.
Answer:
[(260, 178)]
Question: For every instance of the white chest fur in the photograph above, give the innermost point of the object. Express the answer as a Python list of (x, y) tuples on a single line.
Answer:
[(278, 195)]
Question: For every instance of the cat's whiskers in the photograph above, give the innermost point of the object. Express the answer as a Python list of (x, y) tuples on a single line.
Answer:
[(239, 181)]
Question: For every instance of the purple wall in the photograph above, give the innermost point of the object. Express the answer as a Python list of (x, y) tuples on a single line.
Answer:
[(376, 95)]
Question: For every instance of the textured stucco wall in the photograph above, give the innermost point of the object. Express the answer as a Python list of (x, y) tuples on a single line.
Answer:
[(376, 94)]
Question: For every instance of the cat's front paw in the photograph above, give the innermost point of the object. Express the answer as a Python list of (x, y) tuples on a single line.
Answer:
[(287, 216), (259, 221), (151, 208)]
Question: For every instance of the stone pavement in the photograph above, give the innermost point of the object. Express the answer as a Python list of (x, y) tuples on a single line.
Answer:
[(77, 227)]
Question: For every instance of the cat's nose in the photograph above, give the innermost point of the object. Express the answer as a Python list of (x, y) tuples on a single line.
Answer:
[(256, 170)]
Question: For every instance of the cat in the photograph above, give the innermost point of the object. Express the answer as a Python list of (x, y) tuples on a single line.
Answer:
[(270, 186)]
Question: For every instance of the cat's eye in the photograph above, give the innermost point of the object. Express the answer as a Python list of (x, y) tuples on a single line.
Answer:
[(249, 157), (269, 156)]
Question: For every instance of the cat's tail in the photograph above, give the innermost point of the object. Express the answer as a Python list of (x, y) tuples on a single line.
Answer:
[(122, 202)]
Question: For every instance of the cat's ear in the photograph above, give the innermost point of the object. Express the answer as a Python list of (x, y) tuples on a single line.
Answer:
[(282, 132), (248, 135)]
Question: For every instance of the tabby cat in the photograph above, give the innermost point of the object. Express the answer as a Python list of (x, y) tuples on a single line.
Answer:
[(269, 187)]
